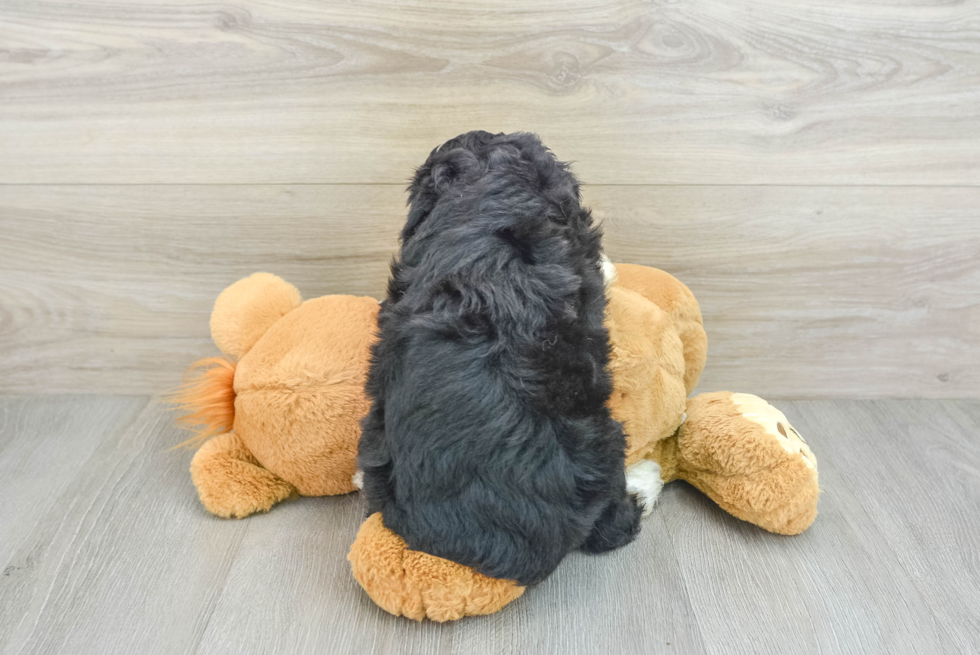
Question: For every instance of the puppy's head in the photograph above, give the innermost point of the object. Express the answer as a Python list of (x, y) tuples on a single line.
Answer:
[(510, 182)]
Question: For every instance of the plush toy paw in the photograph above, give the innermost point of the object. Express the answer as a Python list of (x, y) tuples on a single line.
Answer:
[(744, 454), (230, 481), (418, 585), (775, 424)]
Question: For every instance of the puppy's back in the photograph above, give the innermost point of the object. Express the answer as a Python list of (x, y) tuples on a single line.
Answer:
[(489, 442)]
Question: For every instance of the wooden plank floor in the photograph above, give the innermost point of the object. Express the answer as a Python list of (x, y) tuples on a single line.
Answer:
[(105, 549)]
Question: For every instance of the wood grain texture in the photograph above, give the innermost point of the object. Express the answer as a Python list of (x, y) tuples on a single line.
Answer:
[(806, 291), (112, 287), (818, 292), (930, 463), (706, 91), (846, 585), (41, 445), (123, 559)]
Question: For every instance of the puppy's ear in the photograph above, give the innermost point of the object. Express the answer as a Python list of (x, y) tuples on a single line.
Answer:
[(455, 166), (440, 173), (418, 211), (421, 198)]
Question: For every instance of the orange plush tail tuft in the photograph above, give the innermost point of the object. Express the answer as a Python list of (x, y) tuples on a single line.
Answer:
[(207, 399)]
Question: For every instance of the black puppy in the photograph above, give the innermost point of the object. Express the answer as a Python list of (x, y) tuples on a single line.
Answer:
[(489, 442)]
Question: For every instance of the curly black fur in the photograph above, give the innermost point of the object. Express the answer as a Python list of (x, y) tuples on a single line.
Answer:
[(489, 442)]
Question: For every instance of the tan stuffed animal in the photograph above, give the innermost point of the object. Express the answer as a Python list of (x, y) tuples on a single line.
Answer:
[(285, 421)]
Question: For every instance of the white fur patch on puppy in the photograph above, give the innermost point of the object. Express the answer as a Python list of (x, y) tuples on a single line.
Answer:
[(643, 479), (608, 270), (358, 479)]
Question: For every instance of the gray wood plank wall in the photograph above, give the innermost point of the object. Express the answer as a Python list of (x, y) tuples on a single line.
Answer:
[(811, 171)]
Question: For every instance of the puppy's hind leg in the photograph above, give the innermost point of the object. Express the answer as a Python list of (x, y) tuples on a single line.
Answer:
[(618, 525)]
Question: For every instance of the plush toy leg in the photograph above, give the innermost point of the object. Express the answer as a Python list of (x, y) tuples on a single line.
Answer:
[(230, 481), (418, 585), (743, 454)]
